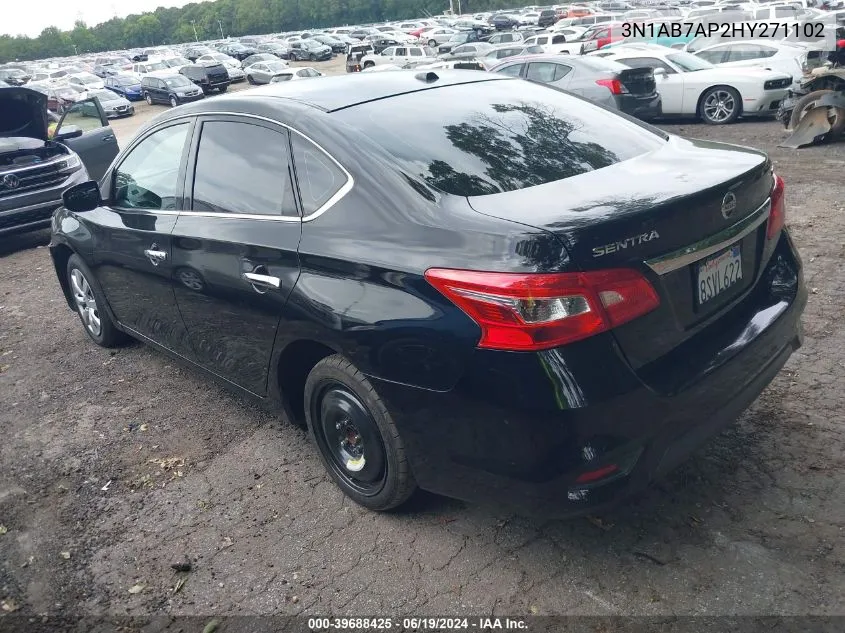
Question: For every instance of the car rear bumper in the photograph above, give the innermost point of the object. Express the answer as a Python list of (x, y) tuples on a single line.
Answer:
[(646, 108), (520, 429)]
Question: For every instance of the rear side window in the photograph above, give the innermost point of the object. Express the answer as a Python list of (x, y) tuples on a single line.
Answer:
[(242, 168), (319, 177), (498, 135)]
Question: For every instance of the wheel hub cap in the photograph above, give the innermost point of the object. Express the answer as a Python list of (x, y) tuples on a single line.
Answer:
[(86, 304)]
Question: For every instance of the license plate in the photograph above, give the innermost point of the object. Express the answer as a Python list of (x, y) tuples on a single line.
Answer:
[(719, 273)]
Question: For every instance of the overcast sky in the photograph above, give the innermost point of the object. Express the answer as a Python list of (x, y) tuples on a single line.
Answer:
[(22, 17)]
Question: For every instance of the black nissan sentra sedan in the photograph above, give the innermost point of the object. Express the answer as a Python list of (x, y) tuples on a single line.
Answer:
[(462, 282)]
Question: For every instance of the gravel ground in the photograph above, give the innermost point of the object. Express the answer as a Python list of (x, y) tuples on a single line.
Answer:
[(116, 464)]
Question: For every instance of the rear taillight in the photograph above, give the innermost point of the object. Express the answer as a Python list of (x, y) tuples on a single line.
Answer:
[(777, 214), (614, 85), (528, 312)]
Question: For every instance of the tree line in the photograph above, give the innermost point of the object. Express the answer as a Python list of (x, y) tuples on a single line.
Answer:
[(211, 20)]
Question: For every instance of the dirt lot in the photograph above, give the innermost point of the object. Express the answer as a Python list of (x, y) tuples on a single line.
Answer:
[(117, 464)]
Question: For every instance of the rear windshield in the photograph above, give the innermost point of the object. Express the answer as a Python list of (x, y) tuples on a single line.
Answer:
[(498, 136)]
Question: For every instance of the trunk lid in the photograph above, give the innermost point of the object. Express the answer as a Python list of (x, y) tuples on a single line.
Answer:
[(638, 81), (662, 214), (23, 113)]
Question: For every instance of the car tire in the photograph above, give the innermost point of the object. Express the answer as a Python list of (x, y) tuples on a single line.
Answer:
[(432, 43), (250, 80), (173, 101), (224, 88), (369, 64), (837, 124), (148, 98), (720, 105), (90, 305), (312, 57), (356, 438)]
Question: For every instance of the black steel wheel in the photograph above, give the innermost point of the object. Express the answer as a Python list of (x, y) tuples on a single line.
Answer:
[(356, 438)]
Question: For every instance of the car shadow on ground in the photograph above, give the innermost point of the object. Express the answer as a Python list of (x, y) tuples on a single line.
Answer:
[(23, 241)]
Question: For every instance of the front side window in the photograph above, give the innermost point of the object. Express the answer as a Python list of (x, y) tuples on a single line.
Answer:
[(242, 168), (148, 178), (318, 176)]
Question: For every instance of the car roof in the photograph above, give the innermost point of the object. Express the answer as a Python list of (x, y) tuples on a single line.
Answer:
[(339, 92)]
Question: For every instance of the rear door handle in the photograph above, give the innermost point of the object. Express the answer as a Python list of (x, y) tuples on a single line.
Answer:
[(262, 281), (154, 255), (108, 139)]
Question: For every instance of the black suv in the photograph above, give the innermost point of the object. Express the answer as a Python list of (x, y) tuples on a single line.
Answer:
[(210, 76), (547, 17), (173, 89)]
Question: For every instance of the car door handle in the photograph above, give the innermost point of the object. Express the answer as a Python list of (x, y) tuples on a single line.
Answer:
[(154, 255), (263, 281), (108, 139)]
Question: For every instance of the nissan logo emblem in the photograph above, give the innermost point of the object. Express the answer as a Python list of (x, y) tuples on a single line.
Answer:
[(728, 205), (10, 181)]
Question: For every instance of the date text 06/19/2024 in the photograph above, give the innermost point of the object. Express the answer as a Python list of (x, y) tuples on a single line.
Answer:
[(417, 624), (804, 31)]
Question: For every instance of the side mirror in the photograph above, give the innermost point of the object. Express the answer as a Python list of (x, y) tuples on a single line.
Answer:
[(660, 72), (82, 197), (68, 132)]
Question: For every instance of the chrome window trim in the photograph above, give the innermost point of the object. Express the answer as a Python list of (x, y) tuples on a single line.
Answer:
[(710, 245), (346, 188)]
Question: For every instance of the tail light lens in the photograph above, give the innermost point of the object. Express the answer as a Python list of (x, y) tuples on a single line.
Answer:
[(777, 215), (614, 85), (529, 312)]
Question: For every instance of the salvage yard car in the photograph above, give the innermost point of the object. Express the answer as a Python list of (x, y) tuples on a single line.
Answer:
[(614, 85), (35, 167), (169, 87), (459, 281), (690, 86)]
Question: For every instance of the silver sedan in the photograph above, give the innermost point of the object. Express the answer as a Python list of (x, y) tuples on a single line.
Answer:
[(263, 72)]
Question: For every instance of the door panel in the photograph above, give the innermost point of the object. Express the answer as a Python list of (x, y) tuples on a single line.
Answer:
[(235, 254), (97, 146), (133, 254)]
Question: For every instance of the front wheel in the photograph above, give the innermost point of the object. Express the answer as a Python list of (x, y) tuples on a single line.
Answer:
[(250, 80), (90, 305), (356, 437), (432, 43), (369, 64), (312, 57), (173, 101), (836, 116), (720, 105), (224, 88), (148, 98)]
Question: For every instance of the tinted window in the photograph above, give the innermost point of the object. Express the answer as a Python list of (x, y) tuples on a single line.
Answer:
[(318, 176), (715, 56), (513, 70), (497, 136), (242, 168), (148, 177), (543, 72)]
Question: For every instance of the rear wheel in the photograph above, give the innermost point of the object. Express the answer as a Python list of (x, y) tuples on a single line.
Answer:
[(90, 305), (250, 80), (357, 439), (836, 116), (432, 43), (369, 64), (224, 88), (148, 98), (720, 105)]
